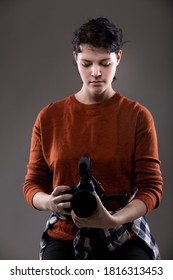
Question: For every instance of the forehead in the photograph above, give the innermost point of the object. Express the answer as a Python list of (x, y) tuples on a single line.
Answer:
[(90, 52)]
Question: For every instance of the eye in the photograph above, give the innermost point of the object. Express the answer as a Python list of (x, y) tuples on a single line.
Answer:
[(86, 64), (105, 64)]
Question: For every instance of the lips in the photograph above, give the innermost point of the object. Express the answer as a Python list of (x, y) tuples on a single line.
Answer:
[(96, 82)]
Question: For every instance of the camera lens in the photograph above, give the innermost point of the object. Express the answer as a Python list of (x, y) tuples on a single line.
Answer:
[(83, 203)]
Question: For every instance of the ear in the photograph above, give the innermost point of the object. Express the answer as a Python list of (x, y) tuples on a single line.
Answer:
[(75, 56), (119, 55)]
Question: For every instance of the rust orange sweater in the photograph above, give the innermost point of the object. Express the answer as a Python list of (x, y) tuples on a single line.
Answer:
[(118, 134)]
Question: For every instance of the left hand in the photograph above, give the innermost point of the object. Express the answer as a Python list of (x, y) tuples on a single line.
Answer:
[(101, 218)]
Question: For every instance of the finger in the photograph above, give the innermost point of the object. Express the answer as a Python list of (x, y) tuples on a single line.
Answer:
[(64, 205), (60, 189), (62, 198), (99, 202), (67, 212), (64, 208), (80, 222)]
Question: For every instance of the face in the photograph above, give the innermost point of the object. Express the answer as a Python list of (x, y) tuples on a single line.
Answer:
[(97, 68)]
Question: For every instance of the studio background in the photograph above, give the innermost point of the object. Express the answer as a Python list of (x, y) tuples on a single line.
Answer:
[(36, 68)]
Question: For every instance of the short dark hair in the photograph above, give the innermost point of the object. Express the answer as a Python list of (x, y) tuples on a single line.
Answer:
[(99, 33)]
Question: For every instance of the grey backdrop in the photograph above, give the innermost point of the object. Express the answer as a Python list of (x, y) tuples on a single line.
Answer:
[(36, 68)]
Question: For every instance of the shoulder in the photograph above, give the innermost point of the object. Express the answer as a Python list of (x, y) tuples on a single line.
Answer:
[(133, 107), (52, 113), (54, 107)]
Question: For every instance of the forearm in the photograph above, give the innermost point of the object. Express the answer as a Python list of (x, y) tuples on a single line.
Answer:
[(102, 218), (135, 209)]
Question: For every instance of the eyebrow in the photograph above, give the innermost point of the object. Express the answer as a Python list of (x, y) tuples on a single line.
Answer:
[(102, 60)]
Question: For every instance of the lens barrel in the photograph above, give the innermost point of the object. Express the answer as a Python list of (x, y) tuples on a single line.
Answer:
[(83, 203)]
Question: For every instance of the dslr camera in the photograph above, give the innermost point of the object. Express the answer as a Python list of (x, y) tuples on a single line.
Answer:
[(83, 201)]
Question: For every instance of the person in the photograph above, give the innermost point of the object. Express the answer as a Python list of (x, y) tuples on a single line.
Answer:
[(118, 135)]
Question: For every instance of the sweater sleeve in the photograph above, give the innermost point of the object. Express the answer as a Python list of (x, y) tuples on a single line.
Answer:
[(39, 176), (148, 178)]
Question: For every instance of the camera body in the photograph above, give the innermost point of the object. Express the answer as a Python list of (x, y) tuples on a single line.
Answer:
[(83, 201)]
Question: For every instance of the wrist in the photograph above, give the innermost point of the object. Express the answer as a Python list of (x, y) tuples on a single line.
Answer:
[(116, 221), (41, 201)]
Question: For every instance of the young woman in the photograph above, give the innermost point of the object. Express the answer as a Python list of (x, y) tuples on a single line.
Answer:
[(119, 136)]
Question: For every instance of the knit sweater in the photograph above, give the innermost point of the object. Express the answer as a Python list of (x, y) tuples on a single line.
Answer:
[(119, 136)]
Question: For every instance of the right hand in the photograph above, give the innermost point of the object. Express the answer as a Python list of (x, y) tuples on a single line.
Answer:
[(60, 202)]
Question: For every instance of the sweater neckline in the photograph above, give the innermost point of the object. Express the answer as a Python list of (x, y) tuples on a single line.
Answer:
[(105, 103)]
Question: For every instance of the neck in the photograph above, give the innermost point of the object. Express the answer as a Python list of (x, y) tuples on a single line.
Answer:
[(88, 98)]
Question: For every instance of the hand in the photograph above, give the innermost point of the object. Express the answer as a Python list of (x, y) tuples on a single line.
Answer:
[(60, 202), (101, 218)]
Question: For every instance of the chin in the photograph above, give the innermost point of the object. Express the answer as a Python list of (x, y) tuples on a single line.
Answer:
[(99, 92)]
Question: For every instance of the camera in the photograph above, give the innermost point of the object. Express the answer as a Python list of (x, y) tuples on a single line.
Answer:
[(83, 201)]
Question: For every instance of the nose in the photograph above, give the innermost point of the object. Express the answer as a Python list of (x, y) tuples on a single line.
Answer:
[(96, 72)]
